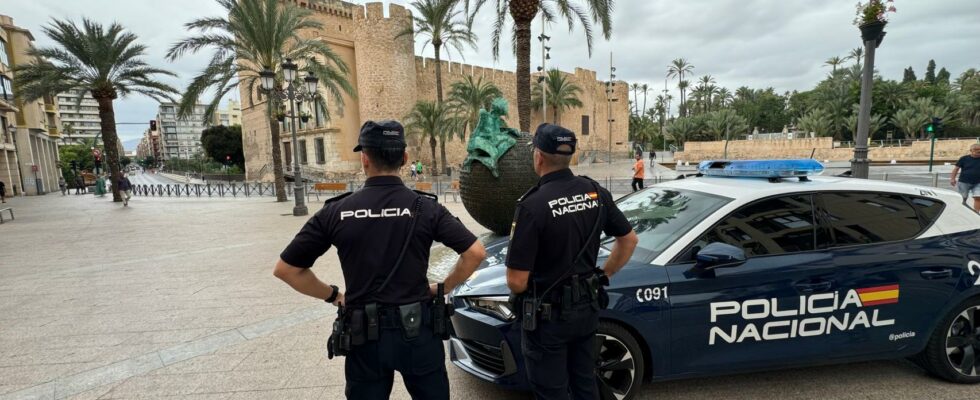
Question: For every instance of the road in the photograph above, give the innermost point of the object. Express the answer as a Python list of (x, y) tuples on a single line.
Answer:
[(150, 179)]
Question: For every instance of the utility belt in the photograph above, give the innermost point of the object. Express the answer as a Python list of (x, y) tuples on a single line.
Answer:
[(357, 326), (563, 301)]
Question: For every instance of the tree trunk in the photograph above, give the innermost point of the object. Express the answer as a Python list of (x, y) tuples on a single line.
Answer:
[(442, 154), (436, 43), (435, 163), (522, 41), (644, 111), (557, 115), (108, 124), (280, 179)]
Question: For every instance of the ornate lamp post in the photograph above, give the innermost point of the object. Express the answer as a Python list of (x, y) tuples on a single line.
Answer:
[(871, 20), (296, 94), (609, 99)]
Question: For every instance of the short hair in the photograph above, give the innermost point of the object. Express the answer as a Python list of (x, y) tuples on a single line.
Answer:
[(557, 160), (385, 159), (975, 145)]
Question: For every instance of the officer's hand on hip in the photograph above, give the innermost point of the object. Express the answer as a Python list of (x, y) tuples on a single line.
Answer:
[(433, 288), (339, 301)]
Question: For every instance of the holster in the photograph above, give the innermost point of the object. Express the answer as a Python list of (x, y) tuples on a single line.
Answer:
[(339, 342), (441, 313), (411, 318)]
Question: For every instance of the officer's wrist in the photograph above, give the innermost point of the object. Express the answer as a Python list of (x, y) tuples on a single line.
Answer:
[(333, 295)]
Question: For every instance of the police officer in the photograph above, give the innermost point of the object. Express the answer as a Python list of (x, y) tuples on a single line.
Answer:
[(383, 233), (551, 267)]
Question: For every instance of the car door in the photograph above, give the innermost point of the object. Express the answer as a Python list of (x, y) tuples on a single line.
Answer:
[(895, 282), (749, 316)]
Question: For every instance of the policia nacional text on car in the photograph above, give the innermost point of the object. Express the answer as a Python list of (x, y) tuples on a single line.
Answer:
[(551, 267), (391, 318)]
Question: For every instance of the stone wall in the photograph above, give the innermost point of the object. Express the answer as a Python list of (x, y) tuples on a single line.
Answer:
[(821, 148)]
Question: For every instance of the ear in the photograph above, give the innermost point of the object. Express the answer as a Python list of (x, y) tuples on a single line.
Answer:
[(365, 161)]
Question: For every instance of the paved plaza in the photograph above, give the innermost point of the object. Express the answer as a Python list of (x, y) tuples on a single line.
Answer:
[(175, 298)]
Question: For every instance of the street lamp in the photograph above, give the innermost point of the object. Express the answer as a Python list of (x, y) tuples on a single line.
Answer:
[(609, 100), (296, 95), (545, 56)]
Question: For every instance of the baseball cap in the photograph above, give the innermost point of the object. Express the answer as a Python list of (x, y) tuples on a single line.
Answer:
[(549, 137), (385, 134)]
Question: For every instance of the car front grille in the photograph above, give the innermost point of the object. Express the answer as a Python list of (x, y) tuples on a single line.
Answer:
[(487, 357)]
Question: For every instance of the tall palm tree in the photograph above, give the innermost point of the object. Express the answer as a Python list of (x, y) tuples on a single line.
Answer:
[(723, 123), (875, 123), (723, 97), (834, 62), (678, 68), (254, 35), (857, 54), (102, 60), (635, 88), (683, 129), (442, 23), (818, 121), (435, 121), (646, 90), (523, 12), (562, 94), (909, 121), (682, 106), (469, 96)]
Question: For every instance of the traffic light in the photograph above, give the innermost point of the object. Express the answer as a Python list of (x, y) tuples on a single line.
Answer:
[(937, 124), (153, 124)]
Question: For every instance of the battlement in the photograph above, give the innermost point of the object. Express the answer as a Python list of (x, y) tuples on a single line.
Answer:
[(376, 11), (330, 7), (427, 64)]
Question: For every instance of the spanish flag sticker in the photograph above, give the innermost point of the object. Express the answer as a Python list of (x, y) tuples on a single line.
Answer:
[(593, 195), (878, 295)]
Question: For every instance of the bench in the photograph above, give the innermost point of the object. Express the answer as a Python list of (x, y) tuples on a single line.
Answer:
[(9, 210), (453, 191), (328, 187), (423, 186)]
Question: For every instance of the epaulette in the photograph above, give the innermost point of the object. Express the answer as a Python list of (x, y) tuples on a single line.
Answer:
[(528, 193), (587, 177), (427, 195), (335, 198)]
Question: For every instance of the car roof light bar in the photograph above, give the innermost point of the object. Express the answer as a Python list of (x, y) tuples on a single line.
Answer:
[(770, 169)]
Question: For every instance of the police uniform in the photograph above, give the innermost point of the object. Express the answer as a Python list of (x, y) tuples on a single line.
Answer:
[(553, 223), (369, 228)]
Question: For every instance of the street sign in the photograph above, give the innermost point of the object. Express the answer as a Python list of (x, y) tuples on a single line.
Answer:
[(34, 168), (96, 153)]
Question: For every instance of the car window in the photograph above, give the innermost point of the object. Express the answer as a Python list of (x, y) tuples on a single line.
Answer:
[(928, 208), (778, 225), (864, 218), (660, 216)]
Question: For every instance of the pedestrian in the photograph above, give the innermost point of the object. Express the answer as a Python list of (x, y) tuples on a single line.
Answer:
[(418, 170), (653, 157), (79, 185), (63, 185), (638, 173), (969, 183), (100, 186), (3, 192), (414, 172), (390, 318), (125, 188), (551, 268)]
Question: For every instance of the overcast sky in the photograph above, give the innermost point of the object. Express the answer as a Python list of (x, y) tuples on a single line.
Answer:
[(756, 43)]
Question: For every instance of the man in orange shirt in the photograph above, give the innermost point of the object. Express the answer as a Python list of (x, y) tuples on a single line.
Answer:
[(638, 173)]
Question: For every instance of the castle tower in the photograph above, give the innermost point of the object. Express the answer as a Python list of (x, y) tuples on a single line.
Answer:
[(386, 79)]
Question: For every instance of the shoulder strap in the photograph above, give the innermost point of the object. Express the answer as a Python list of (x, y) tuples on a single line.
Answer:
[(585, 246), (338, 197), (416, 213), (528, 192), (427, 195)]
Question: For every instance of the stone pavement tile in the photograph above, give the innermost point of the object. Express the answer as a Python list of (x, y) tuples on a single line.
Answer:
[(13, 388), (24, 374), (320, 375), (203, 364), (93, 394), (274, 359), (236, 381), (157, 385), (282, 394)]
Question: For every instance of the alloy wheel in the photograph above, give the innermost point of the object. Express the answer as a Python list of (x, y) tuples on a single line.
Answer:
[(615, 368), (963, 342)]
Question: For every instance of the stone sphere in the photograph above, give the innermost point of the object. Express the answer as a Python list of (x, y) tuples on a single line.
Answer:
[(491, 200)]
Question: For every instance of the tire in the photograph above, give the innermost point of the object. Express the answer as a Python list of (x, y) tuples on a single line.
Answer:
[(619, 363), (962, 338)]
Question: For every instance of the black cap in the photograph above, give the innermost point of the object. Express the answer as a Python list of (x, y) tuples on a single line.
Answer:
[(386, 134), (549, 137)]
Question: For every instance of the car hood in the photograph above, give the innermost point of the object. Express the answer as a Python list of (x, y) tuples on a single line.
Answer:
[(488, 281)]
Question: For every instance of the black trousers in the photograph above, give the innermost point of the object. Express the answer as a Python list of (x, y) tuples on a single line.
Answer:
[(637, 182), (420, 361), (560, 356)]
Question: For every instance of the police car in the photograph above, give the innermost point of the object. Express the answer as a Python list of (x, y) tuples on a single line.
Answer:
[(784, 269)]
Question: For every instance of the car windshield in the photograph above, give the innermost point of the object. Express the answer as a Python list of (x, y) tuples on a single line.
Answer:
[(662, 215)]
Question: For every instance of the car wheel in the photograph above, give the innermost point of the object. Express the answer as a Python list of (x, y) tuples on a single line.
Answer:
[(619, 363), (953, 352)]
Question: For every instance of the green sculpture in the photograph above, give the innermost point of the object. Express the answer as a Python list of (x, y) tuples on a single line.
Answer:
[(491, 138)]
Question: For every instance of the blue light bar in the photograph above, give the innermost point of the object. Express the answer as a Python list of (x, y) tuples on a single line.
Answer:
[(761, 168)]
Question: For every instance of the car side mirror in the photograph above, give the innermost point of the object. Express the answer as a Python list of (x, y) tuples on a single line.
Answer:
[(718, 255)]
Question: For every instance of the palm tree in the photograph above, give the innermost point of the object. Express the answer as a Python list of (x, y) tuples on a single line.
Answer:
[(925, 108), (678, 68), (646, 90), (469, 96), (442, 23), (561, 93), (818, 121), (834, 62), (683, 129), (874, 124), (909, 121), (105, 61), (724, 97), (682, 106), (857, 54), (635, 88), (435, 121), (523, 12), (891, 94), (252, 36), (723, 123)]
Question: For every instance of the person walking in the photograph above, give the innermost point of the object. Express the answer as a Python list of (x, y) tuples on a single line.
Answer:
[(551, 268), (418, 170), (968, 168), (390, 319), (638, 173), (100, 186), (79, 185), (653, 157), (413, 170), (3, 192), (63, 185), (125, 188)]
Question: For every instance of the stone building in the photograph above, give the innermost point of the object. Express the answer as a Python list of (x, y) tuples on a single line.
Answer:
[(28, 146), (389, 79)]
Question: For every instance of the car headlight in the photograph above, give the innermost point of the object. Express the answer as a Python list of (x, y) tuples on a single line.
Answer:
[(497, 306)]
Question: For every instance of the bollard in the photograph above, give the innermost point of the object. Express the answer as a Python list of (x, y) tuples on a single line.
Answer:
[(886, 177), (935, 179)]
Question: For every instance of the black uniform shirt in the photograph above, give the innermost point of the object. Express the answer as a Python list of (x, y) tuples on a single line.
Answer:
[(554, 221), (969, 169), (369, 228)]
